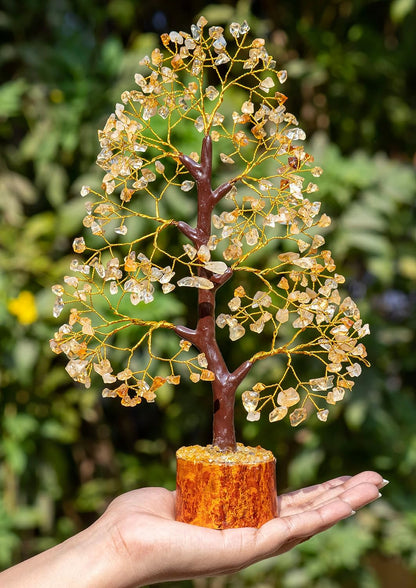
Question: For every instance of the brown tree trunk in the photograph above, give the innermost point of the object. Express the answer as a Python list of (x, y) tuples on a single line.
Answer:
[(203, 336), (223, 427)]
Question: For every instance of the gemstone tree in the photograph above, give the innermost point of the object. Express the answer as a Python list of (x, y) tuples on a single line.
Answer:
[(250, 183)]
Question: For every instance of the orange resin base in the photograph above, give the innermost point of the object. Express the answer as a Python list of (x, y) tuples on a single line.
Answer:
[(225, 489)]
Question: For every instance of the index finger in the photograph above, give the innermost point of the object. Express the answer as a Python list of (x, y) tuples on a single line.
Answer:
[(312, 496)]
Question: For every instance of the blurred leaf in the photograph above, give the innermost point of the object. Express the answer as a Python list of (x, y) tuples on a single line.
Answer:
[(355, 414), (364, 240), (10, 97), (54, 178), (19, 426), (70, 214), (42, 143), (112, 53), (16, 191), (219, 13), (341, 547), (401, 8), (53, 429), (9, 541), (93, 495), (14, 455), (407, 267), (25, 354), (304, 467)]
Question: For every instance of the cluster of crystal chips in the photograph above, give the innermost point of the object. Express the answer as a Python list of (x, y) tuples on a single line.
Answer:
[(339, 349), (220, 82)]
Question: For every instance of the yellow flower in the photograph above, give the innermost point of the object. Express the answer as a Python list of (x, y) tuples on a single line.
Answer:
[(24, 307)]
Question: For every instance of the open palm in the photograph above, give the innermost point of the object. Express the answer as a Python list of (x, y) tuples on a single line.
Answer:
[(137, 541), (158, 548)]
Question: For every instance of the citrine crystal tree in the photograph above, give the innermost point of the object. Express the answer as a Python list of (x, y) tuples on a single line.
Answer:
[(250, 188)]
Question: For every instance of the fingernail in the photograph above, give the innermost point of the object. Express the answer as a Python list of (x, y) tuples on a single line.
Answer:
[(384, 483), (379, 495), (352, 513)]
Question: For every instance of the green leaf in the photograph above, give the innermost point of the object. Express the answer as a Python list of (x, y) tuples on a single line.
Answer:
[(9, 542), (304, 467), (69, 218), (55, 180), (10, 97), (399, 9), (14, 455), (355, 413), (25, 356), (15, 191), (19, 426), (218, 13), (93, 495), (407, 267), (53, 429), (369, 242)]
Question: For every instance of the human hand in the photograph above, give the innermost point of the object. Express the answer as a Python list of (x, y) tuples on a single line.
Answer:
[(137, 541), (156, 548)]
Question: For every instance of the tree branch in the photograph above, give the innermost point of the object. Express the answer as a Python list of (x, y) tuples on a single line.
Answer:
[(200, 171), (240, 373), (206, 156), (220, 279), (222, 190), (186, 333), (188, 231), (194, 168)]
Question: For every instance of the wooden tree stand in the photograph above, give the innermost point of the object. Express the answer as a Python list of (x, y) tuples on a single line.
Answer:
[(225, 489)]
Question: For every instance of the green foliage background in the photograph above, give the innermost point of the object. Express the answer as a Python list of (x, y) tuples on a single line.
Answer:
[(65, 452)]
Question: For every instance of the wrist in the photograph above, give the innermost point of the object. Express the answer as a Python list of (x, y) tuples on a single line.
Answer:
[(87, 560), (97, 564), (128, 559)]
